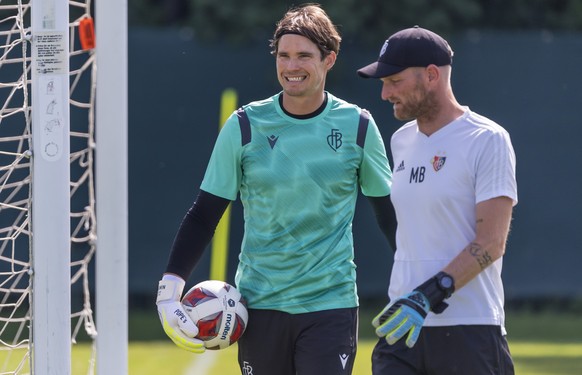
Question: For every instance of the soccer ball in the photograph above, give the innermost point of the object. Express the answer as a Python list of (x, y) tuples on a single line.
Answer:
[(218, 310)]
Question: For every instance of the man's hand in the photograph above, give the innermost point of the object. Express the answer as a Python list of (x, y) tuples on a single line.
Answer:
[(404, 315), (407, 313), (176, 323)]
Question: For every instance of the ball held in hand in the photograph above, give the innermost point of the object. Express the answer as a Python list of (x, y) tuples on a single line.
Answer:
[(218, 310)]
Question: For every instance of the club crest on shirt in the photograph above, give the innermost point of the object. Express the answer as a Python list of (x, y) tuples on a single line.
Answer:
[(334, 140), (438, 162)]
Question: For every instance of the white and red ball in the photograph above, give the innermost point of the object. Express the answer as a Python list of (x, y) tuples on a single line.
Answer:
[(218, 310)]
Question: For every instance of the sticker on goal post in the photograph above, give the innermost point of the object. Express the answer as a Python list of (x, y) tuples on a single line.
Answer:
[(87, 33)]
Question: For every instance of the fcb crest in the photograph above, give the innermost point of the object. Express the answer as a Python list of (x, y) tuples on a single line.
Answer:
[(334, 140), (438, 162)]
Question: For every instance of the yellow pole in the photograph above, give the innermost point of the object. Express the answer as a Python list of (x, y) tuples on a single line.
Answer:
[(219, 254)]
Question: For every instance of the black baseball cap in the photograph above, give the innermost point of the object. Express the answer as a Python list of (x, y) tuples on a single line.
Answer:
[(413, 47)]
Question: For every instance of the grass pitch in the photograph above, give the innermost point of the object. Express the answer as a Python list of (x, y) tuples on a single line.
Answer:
[(547, 343), (541, 344), (162, 357)]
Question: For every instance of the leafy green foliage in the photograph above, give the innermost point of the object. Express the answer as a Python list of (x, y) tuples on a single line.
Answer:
[(251, 20)]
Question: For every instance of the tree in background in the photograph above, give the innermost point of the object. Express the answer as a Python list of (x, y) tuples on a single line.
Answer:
[(251, 20)]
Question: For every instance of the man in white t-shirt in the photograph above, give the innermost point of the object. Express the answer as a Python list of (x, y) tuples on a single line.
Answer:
[(453, 190)]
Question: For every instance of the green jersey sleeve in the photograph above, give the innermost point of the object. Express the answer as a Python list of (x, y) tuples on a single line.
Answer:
[(375, 175), (224, 173)]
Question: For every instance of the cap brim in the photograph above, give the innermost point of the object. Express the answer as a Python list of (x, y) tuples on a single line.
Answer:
[(379, 70)]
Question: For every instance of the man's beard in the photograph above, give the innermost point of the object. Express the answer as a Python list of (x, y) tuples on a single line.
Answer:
[(422, 103)]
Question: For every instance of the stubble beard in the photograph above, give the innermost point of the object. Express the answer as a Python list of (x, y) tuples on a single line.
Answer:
[(420, 104)]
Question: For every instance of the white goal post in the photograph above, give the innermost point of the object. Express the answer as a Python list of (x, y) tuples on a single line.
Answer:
[(112, 187), (63, 186), (50, 176)]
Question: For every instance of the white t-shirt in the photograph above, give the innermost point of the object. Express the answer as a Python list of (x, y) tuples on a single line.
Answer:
[(437, 182)]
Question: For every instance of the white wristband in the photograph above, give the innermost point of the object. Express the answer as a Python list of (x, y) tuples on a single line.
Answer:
[(172, 277), (170, 288)]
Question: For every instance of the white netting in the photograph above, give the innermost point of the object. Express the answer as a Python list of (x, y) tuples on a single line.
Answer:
[(15, 177)]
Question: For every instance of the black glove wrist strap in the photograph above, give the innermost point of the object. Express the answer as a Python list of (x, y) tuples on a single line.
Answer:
[(436, 290)]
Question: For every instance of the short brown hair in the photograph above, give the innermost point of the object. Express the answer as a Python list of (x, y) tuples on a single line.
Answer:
[(310, 21)]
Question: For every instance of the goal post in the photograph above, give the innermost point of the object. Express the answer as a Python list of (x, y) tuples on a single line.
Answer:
[(112, 187), (63, 168), (50, 272)]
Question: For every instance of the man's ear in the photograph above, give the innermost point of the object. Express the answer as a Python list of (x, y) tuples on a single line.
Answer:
[(330, 60), (433, 72)]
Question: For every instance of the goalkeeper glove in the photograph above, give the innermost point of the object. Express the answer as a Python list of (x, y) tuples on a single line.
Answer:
[(175, 321), (407, 313)]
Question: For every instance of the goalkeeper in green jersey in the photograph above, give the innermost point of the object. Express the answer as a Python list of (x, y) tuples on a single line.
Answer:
[(297, 159)]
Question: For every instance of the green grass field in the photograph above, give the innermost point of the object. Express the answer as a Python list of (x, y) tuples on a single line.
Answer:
[(541, 344), (162, 357), (531, 358)]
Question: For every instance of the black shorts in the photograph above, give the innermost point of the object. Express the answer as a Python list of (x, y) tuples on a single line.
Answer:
[(468, 349), (318, 343)]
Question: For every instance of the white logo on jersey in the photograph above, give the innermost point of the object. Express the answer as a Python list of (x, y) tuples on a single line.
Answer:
[(247, 368), (344, 359)]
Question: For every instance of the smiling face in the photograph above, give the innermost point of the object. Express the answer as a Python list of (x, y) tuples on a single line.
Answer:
[(301, 71)]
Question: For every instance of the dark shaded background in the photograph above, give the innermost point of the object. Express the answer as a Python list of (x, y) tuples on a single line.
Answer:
[(527, 81)]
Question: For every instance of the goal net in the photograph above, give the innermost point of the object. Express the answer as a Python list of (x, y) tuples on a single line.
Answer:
[(17, 178)]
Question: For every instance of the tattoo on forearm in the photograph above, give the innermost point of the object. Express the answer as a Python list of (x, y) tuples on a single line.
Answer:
[(481, 256)]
